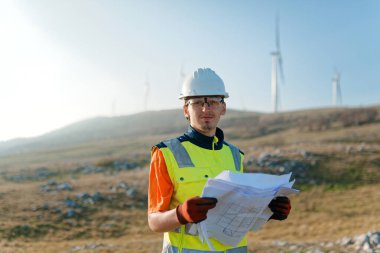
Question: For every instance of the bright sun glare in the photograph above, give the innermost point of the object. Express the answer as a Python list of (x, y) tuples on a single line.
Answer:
[(36, 95), (29, 67)]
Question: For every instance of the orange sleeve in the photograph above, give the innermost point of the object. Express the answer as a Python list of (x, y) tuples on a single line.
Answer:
[(160, 184)]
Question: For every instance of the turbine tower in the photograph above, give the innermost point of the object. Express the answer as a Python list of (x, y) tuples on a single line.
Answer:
[(182, 76), (113, 108), (146, 92), (337, 95), (276, 67)]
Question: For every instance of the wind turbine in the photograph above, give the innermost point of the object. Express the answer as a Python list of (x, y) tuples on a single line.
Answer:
[(337, 95), (146, 92), (276, 67), (182, 76), (113, 108)]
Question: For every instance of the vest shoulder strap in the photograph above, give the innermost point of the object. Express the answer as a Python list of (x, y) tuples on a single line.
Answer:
[(236, 155), (180, 154), (183, 159)]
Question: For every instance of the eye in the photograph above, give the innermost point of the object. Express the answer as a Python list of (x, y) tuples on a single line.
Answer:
[(213, 103), (197, 103)]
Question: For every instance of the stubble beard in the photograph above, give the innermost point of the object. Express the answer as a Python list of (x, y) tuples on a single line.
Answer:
[(207, 126)]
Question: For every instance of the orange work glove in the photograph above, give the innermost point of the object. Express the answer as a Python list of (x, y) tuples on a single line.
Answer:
[(280, 207), (195, 209)]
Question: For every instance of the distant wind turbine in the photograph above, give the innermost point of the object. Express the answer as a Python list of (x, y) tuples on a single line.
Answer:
[(337, 95), (113, 108), (276, 65), (182, 76), (146, 92)]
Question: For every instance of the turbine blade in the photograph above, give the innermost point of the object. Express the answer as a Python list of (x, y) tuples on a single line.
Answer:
[(277, 34), (278, 48), (182, 76)]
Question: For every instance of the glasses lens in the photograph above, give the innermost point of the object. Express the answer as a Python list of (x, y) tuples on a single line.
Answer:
[(214, 101), (211, 102), (196, 102)]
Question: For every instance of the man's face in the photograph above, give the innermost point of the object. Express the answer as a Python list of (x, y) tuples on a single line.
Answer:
[(204, 113)]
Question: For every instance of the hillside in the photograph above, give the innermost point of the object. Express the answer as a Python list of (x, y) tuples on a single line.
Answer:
[(132, 136), (83, 188), (107, 128)]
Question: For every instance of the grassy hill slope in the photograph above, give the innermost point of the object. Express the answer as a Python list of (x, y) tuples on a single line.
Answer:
[(334, 153), (132, 136)]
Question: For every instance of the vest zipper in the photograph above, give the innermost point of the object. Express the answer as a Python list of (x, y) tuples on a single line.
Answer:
[(214, 142)]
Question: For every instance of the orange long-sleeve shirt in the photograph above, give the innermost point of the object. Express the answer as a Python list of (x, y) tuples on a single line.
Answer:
[(160, 184)]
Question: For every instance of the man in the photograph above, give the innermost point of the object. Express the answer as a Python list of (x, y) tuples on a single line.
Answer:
[(181, 166)]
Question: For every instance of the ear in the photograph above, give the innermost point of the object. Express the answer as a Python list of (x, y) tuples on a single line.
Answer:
[(224, 109), (186, 112)]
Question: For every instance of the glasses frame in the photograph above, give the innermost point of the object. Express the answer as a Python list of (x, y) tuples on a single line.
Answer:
[(216, 102)]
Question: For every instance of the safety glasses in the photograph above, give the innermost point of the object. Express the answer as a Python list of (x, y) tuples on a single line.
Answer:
[(212, 102)]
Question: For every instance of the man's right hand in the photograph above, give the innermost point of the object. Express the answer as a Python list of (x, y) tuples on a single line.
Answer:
[(195, 209), (280, 207)]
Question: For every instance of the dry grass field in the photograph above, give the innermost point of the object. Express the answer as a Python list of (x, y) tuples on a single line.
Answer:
[(318, 215), (105, 211)]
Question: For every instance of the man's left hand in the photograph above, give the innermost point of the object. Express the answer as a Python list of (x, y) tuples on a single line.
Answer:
[(280, 206)]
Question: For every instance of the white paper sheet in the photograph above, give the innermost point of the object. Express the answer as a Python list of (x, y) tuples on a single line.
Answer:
[(242, 204)]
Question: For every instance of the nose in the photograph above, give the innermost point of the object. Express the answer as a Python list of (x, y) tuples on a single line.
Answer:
[(206, 106)]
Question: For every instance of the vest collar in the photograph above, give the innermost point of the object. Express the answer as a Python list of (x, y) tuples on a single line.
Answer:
[(204, 141)]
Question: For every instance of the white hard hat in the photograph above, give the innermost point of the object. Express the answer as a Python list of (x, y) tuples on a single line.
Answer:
[(203, 82)]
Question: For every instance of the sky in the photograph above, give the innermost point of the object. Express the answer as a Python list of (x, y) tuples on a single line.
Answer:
[(66, 60)]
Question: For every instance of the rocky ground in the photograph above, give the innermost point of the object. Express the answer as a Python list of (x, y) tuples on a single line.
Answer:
[(101, 207)]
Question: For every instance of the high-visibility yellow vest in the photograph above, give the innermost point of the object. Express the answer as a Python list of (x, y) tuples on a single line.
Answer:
[(189, 166)]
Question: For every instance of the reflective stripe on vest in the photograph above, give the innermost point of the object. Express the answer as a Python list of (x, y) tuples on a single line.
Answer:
[(179, 152), (183, 159), (187, 229), (173, 249), (236, 154)]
